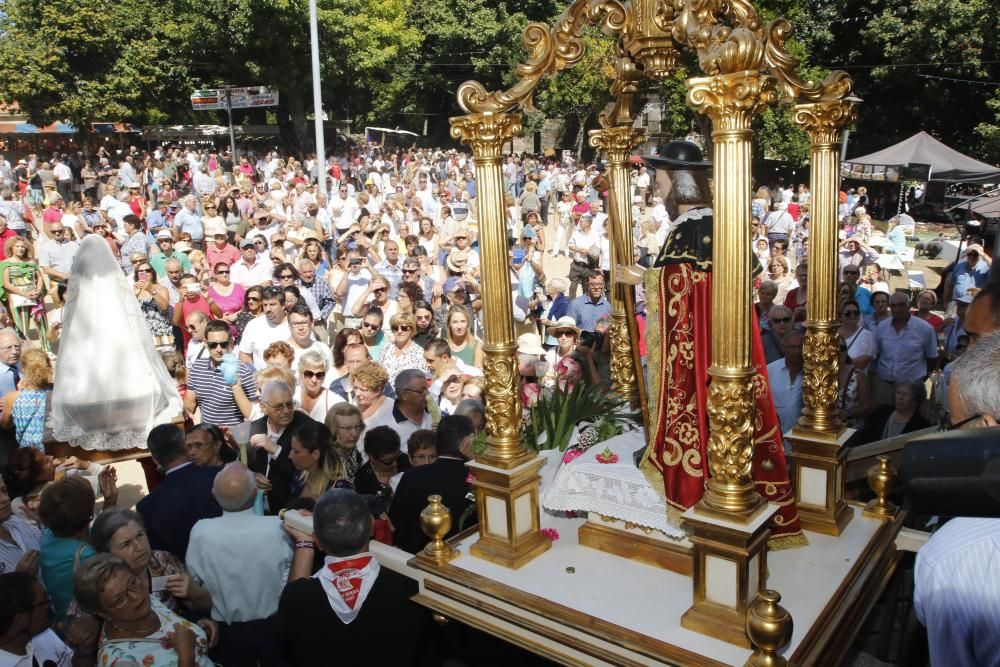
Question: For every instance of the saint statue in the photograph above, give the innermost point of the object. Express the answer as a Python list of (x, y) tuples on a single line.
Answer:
[(110, 386), (678, 293)]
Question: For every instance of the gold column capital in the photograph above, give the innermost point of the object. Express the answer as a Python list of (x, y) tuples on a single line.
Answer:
[(824, 122), (617, 142), (487, 132), (731, 100)]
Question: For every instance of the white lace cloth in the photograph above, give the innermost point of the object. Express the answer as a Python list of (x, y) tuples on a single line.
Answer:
[(619, 490)]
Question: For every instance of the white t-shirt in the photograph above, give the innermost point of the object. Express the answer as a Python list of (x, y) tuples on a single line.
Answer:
[(356, 286), (259, 333), (581, 239)]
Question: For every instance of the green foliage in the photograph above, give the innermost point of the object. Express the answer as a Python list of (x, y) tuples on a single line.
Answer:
[(556, 414), (990, 131), (86, 60)]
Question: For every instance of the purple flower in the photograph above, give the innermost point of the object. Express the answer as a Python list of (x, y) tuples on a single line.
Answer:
[(550, 533)]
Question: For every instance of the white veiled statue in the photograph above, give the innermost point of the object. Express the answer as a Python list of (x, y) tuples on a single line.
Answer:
[(111, 386)]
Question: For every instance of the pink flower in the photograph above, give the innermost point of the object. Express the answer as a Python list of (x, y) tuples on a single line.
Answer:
[(550, 533), (571, 454), (607, 456), (470, 479)]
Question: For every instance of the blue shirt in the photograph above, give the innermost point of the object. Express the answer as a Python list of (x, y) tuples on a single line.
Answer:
[(787, 394), (8, 383), (864, 298), (965, 278), (586, 313), (902, 356), (957, 592), (189, 222)]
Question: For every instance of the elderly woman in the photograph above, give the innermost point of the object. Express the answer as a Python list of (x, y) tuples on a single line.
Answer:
[(311, 396), (317, 463), (204, 445), (403, 353), (926, 300), (137, 629), (369, 380), (120, 532), (888, 421), (24, 408), (385, 460), (555, 306), (346, 423), (566, 333), (767, 292)]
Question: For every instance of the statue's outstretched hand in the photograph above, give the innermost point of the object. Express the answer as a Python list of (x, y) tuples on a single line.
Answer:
[(629, 275)]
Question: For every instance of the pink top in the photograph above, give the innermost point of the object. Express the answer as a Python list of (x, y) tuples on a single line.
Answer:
[(228, 304), (229, 255)]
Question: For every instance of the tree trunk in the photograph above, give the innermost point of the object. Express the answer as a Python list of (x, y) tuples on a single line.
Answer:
[(581, 134), (297, 111)]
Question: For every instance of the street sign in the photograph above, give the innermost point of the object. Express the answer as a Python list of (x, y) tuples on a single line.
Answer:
[(242, 98)]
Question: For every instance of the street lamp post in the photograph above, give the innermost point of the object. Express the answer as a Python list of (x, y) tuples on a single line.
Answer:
[(317, 98)]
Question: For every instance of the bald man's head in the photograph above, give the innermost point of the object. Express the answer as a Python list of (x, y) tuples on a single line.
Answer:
[(235, 488)]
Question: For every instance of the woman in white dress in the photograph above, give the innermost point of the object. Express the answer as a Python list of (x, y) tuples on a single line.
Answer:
[(111, 386)]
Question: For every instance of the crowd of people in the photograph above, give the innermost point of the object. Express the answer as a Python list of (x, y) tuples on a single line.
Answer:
[(329, 352)]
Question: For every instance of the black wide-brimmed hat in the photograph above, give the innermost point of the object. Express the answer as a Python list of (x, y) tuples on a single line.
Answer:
[(678, 154)]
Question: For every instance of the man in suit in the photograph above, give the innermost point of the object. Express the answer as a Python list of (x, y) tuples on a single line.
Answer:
[(445, 477), (352, 602), (271, 440), (184, 497)]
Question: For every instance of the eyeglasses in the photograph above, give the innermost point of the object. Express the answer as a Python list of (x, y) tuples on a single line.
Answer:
[(380, 290), (566, 334), (352, 427), (370, 325), (401, 327), (222, 272), (309, 375), (851, 313), (299, 325), (131, 590), (140, 271), (285, 276), (281, 407), (459, 238), (946, 425), (216, 344), (409, 271), (781, 320), (253, 298)]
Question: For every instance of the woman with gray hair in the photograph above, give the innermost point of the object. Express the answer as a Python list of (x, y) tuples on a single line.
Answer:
[(138, 629), (888, 421), (554, 305), (311, 396), (120, 532)]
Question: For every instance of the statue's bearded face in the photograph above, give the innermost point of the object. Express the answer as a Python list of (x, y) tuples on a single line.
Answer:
[(682, 187)]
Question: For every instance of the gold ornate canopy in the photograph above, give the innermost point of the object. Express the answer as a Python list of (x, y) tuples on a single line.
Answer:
[(746, 67)]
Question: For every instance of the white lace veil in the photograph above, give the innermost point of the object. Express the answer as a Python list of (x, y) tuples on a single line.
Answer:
[(111, 386)]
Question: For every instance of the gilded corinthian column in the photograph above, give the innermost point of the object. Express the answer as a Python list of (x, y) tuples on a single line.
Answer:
[(818, 440), (731, 100), (486, 133), (506, 475), (823, 122), (618, 143)]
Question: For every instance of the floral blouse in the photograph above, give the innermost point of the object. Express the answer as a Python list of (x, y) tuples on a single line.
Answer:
[(395, 362), (152, 650)]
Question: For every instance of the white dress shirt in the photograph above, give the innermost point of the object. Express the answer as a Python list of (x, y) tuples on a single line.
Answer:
[(787, 395), (243, 560), (957, 592)]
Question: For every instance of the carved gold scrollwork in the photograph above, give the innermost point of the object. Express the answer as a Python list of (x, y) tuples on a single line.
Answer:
[(731, 410), (819, 379), (782, 64), (732, 99), (551, 50), (503, 404), (825, 121), (622, 367), (486, 133)]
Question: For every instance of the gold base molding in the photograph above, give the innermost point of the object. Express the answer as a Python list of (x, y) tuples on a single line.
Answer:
[(649, 550), (716, 620), (730, 568), (508, 510), (819, 466)]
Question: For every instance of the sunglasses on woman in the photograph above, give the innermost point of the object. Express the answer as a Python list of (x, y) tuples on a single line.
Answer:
[(309, 375), (400, 327)]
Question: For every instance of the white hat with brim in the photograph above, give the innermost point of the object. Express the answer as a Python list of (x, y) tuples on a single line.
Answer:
[(564, 322), (530, 343)]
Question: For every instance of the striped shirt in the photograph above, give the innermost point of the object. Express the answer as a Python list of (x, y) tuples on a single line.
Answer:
[(957, 592), (25, 538), (215, 397)]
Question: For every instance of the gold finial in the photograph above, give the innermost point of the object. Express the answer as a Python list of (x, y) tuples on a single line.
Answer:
[(769, 626), (883, 480), (435, 521)]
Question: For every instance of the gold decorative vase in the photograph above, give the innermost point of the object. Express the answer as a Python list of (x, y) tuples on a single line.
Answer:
[(882, 480), (769, 626), (435, 521)]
